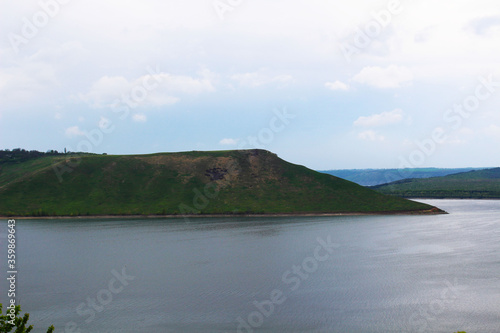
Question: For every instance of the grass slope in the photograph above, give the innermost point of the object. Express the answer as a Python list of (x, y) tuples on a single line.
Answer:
[(480, 184), (253, 181)]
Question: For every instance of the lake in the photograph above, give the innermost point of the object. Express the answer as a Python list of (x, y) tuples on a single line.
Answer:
[(437, 273)]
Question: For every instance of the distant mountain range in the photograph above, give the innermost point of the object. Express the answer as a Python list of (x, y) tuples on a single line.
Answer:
[(477, 184), (187, 183), (372, 177)]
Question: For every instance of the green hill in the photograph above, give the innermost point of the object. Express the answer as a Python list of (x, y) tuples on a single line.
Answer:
[(372, 177), (478, 184), (218, 182)]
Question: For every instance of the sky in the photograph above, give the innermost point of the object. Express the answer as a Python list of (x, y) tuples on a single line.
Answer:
[(325, 84)]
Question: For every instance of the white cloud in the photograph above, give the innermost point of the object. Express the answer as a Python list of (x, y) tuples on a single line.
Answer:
[(64, 54), (73, 131), (260, 78), (485, 25), (466, 131), (139, 118), (181, 83), (370, 136), (105, 90), (228, 142), (337, 85), (147, 90), (492, 131), (385, 118), (389, 77), (29, 81), (39, 76), (423, 35), (158, 99), (454, 140)]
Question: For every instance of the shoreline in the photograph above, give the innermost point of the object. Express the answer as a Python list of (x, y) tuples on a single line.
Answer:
[(433, 211), (448, 198)]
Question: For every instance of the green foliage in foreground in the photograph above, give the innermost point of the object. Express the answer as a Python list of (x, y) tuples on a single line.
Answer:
[(189, 183), (9, 321), (481, 184)]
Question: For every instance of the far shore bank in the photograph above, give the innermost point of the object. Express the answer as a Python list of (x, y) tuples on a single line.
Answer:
[(434, 211), (448, 198)]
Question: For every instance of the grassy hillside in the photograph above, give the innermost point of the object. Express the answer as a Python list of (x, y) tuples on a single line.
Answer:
[(372, 177), (253, 181), (480, 184)]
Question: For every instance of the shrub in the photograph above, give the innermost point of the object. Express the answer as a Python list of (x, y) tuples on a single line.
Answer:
[(19, 322)]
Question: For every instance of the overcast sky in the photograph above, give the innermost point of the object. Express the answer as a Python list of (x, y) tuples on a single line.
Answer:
[(323, 83)]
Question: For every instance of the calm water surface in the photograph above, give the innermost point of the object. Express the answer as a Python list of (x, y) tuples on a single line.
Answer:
[(379, 273)]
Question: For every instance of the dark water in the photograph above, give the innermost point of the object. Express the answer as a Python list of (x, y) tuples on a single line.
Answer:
[(379, 274)]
